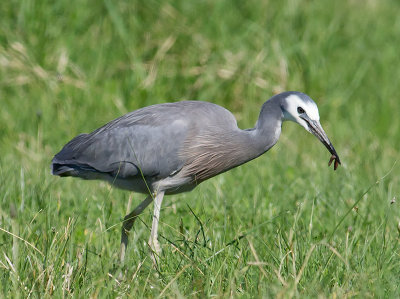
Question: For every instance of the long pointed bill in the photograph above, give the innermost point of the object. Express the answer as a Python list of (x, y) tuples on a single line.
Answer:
[(316, 129)]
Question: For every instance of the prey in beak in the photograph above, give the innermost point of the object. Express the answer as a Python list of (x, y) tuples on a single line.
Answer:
[(316, 129)]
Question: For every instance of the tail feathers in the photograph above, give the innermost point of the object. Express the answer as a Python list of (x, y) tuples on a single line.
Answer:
[(66, 163), (62, 170), (75, 170)]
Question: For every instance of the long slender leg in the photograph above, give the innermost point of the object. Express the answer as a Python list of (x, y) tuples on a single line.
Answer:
[(153, 242), (129, 220)]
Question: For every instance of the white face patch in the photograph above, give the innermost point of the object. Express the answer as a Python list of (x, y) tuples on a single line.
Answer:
[(293, 102)]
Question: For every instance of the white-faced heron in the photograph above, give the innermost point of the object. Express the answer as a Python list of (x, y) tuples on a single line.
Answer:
[(171, 148)]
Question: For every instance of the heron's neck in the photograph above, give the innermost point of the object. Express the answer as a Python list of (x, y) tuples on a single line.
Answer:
[(268, 127), (252, 143)]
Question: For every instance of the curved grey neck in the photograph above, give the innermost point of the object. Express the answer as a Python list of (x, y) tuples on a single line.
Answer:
[(268, 127), (252, 143)]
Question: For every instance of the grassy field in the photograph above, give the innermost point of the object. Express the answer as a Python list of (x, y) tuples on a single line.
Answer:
[(284, 225)]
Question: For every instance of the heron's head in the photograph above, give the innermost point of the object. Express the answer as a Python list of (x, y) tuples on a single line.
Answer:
[(300, 108)]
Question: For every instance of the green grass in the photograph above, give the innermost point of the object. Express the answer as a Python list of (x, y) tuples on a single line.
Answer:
[(284, 225)]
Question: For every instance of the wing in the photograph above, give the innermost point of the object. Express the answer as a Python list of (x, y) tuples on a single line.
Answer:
[(146, 141)]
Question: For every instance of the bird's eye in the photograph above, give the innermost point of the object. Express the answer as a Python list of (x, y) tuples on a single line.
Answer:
[(300, 110)]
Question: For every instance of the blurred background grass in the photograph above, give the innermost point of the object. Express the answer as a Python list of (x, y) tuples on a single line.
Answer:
[(69, 67)]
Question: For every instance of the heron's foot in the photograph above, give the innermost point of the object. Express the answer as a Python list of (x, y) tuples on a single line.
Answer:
[(155, 250)]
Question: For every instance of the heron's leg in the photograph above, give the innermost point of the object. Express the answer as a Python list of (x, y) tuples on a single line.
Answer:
[(153, 242), (128, 222)]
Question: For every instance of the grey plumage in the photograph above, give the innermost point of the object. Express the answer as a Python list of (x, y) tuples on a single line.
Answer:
[(171, 148), (175, 140)]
